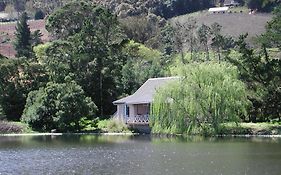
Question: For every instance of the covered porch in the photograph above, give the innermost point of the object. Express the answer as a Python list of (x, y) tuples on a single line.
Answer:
[(133, 114), (138, 114)]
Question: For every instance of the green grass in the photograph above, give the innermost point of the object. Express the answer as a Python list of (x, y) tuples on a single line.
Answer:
[(26, 128), (238, 9), (233, 24), (251, 129), (112, 126)]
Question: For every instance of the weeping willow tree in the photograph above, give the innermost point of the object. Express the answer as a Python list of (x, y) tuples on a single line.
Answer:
[(205, 96)]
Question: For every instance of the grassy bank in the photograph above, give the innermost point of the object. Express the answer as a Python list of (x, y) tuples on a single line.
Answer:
[(233, 129), (251, 129), (103, 126), (112, 126)]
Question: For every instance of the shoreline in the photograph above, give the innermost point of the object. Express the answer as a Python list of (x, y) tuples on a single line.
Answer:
[(132, 134), (61, 134)]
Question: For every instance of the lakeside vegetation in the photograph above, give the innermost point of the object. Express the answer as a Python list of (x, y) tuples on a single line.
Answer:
[(69, 83), (108, 126)]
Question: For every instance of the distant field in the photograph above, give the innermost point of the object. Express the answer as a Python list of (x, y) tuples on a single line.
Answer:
[(233, 24), (7, 31)]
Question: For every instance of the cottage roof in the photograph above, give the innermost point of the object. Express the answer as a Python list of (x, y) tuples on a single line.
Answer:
[(145, 93)]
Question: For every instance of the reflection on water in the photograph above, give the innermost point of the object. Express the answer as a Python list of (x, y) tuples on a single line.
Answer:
[(138, 155)]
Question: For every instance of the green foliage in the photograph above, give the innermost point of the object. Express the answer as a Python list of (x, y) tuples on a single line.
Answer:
[(23, 37), (206, 95), (36, 38), (112, 126), (220, 43), (2, 57), (262, 5), (17, 78), (170, 8), (204, 33), (58, 106), (145, 29), (90, 49), (69, 20), (11, 97), (261, 73), (56, 59), (142, 63), (251, 129), (88, 125), (260, 70), (272, 36)]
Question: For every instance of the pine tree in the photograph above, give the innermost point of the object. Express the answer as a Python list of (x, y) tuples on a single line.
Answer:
[(22, 43)]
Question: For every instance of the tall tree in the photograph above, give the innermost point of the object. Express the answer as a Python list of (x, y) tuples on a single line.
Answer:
[(96, 42), (262, 74), (204, 33), (23, 38), (185, 36), (272, 36), (17, 78), (220, 43), (206, 95)]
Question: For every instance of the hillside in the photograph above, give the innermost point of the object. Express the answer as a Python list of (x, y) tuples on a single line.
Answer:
[(7, 31), (233, 24), (163, 8)]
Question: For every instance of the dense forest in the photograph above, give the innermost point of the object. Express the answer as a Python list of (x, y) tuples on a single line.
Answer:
[(124, 8), (95, 57)]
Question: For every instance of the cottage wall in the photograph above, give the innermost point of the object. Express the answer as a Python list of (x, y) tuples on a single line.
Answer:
[(121, 112), (132, 110)]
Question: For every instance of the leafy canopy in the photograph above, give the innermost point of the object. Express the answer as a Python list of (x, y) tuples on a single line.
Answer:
[(58, 106), (205, 96)]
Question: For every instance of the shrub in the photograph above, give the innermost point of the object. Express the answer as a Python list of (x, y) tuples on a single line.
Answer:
[(58, 106), (88, 125), (7, 128), (112, 125)]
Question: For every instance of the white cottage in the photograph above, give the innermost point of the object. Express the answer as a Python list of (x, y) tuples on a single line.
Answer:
[(135, 109)]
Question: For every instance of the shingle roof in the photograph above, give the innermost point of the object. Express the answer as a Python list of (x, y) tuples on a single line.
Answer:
[(145, 93)]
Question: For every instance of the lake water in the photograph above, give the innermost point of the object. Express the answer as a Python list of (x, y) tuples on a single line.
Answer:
[(139, 155)]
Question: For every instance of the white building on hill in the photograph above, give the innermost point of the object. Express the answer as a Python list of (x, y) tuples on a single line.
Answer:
[(219, 9)]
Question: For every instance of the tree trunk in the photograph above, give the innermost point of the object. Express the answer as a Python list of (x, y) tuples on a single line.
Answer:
[(207, 52), (219, 54), (182, 57)]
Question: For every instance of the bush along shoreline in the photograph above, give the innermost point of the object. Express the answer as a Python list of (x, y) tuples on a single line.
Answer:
[(116, 128)]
